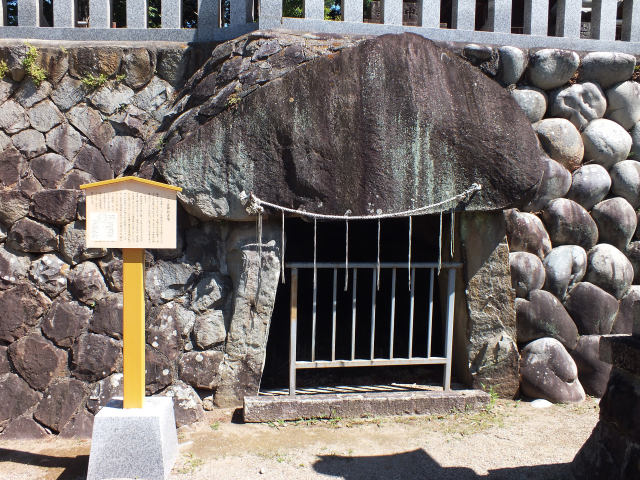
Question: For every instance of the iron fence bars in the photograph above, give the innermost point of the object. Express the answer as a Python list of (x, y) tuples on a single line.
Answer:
[(357, 270)]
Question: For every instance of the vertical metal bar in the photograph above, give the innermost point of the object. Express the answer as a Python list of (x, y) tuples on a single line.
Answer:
[(354, 282), (411, 311), (430, 327), (293, 332), (373, 313), (393, 311), (451, 297), (631, 20), (333, 316), (313, 315)]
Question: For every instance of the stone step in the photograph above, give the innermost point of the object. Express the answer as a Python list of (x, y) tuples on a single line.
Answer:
[(263, 408)]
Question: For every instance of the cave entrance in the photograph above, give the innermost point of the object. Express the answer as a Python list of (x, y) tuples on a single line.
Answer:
[(381, 330)]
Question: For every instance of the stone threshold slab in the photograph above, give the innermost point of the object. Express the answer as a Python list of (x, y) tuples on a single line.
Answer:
[(355, 405)]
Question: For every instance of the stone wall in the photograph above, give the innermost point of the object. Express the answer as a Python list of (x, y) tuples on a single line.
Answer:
[(108, 111), (574, 249)]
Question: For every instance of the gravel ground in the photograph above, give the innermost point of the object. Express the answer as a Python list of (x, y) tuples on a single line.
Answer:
[(512, 440)]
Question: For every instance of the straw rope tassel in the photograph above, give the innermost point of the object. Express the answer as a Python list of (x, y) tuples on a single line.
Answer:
[(378, 260), (451, 239), (282, 251), (440, 246), (346, 256), (315, 258), (409, 259)]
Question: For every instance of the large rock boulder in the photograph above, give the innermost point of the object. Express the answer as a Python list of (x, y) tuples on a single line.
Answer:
[(605, 142), (526, 233), (512, 62), (532, 101), (561, 140), (527, 272), (616, 220), (628, 311), (607, 68), (569, 224), (556, 181), (589, 185), (287, 144), (609, 269), (564, 266), (593, 310), (580, 103), (17, 397), (623, 104), (21, 307), (64, 322), (625, 179), (592, 372), (544, 316), (187, 406), (549, 372), (37, 360), (551, 68)]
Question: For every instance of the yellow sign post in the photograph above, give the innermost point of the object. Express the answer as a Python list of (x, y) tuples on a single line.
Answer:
[(132, 214)]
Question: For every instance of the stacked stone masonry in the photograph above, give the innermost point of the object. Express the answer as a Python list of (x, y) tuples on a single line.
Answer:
[(107, 111), (574, 250)]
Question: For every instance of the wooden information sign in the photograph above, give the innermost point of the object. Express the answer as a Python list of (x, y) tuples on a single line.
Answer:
[(132, 214)]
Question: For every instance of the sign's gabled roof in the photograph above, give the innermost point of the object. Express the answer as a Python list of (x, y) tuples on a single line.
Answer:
[(130, 179)]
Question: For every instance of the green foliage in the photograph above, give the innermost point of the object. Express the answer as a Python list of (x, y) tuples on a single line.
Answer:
[(92, 82), (3, 68), (295, 9), (31, 67)]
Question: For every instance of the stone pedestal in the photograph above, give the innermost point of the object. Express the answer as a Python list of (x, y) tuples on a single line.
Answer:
[(613, 450), (135, 442)]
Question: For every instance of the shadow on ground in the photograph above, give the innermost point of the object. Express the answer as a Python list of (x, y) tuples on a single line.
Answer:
[(419, 465), (75, 467)]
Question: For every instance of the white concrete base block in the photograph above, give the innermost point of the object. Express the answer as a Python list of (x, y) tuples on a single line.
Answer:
[(137, 443)]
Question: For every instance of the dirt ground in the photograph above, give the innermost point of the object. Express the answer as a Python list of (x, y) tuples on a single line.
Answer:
[(510, 440)]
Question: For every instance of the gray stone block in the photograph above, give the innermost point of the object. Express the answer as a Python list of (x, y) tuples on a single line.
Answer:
[(134, 442)]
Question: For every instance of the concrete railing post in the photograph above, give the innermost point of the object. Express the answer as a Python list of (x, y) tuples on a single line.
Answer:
[(64, 13), (392, 12), (463, 15), (536, 16), (499, 18), (239, 12), (171, 13), (353, 10), (631, 20), (29, 13), (603, 19), (314, 9), (270, 14), (568, 14), (99, 13), (208, 16), (136, 13), (430, 13)]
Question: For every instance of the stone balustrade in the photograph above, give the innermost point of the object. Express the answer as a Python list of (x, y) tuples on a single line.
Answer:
[(492, 22)]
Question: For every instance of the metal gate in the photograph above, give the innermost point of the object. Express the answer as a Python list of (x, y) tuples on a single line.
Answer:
[(371, 269)]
